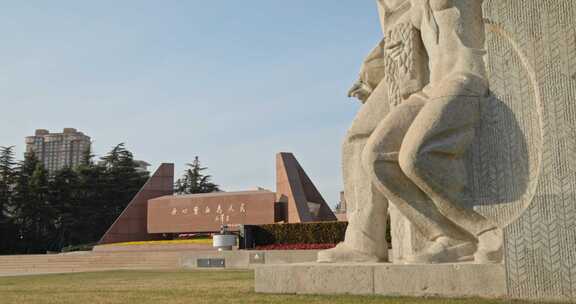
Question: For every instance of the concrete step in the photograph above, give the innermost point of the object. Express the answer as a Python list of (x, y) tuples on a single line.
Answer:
[(88, 262)]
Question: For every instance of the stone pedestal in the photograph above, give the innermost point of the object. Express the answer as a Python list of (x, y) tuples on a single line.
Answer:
[(443, 280)]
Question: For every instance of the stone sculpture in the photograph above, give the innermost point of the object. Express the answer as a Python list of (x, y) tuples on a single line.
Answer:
[(422, 88), (510, 139)]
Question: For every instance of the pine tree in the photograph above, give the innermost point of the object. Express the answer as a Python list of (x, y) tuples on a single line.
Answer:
[(70, 207), (194, 181), (41, 211), (7, 179), (92, 199), (122, 182), (7, 176), (32, 211), (64, 200), (20, 201)]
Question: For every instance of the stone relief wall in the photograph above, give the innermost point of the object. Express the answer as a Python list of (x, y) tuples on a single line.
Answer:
[(523, 164), (506, 158), (532, 64)]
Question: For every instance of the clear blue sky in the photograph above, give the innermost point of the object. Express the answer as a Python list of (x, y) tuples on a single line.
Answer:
[(233, 82)]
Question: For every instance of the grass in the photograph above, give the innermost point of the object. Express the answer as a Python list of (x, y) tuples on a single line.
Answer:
[(196, 287)]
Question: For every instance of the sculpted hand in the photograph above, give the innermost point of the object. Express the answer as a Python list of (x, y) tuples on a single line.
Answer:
[(360, 90)]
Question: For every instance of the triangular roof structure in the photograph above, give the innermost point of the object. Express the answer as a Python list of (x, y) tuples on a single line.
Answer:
[(131, 225), (294, 187)]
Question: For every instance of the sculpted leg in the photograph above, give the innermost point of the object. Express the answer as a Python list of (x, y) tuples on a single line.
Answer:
[(367, 213), (380, 159), (367, 207), (432, 156)]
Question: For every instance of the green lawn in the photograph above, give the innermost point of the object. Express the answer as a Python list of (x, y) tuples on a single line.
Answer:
[(166, 287)]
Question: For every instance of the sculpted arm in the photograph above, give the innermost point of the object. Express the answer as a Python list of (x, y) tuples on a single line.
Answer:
[(371, 73)]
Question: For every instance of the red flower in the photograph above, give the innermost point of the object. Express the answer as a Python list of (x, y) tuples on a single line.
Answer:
[(295, 247)]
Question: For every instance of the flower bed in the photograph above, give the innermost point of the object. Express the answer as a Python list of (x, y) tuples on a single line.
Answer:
[(166, 242), (296, 247)]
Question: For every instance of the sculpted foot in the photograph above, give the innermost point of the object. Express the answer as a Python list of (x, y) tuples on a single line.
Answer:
[(444, 250), (489, 247), (344, 254)]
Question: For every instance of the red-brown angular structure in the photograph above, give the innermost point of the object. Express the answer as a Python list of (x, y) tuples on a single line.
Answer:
[(295, 189), (155, 210), (131, 225)]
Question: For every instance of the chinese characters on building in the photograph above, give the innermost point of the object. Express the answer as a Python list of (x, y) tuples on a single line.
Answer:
[(222, 214)]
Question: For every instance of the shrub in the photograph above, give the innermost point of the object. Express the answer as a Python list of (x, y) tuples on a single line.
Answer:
[(305, 233), (82, 247)]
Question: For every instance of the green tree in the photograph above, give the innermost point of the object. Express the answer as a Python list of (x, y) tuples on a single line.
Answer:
[(65, 201), (94, 204), (122, 182), (91, 193), (70, 207), (194, 181), (32, 211), (7, 180), (21, 197)]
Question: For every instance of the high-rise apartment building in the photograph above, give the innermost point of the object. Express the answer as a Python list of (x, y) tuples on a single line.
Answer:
[(58, 150)]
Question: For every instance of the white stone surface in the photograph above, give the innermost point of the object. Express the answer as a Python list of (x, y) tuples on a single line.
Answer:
[(524, 161), (422, 89), (532, 66), (447, 280), (406, 239), (315, 279), (520, 167)]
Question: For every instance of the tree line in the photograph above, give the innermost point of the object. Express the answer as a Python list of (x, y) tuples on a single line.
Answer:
[(42, 212)]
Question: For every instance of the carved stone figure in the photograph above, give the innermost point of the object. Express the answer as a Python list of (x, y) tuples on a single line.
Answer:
[(422, 87)]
